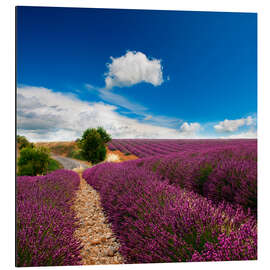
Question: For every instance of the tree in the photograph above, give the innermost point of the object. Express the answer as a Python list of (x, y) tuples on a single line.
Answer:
[(92, 146), (23, 142), (33, 161), (104, 135)]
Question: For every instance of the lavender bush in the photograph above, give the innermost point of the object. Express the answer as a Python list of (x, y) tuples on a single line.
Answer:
[(156, 221), (217, 171), (45, 221)]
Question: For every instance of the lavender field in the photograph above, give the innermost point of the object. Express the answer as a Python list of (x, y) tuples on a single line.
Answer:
[(183, 200)]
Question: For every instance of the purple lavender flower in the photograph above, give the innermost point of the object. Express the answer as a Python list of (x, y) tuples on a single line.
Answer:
[(45, 221)]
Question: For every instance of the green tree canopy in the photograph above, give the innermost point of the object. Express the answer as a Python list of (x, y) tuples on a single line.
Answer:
[(104, 135), (92, 146)]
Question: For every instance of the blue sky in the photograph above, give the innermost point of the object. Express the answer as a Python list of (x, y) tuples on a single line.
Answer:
[(140, 74)]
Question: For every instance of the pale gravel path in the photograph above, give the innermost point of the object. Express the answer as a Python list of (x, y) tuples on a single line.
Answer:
[(100, 245), (69, 163)]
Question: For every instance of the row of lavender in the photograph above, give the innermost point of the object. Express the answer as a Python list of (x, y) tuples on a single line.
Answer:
[(45, 220), (219, 172), (145, 147), (157, 221)]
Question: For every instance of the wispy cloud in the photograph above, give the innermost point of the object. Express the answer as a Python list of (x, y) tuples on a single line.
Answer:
[(142, 112), (234, 125), (250, 134), (162, 120), (119, 100), (148, 117), (91, 87)]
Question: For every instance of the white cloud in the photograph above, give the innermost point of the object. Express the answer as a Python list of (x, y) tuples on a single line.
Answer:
[(229, 125), (132, 68), (234, 125), (250, 121), (250, 134), (45, 115), (190, 129)]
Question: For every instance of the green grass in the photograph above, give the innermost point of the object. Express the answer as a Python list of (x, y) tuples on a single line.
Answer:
[(54, 165)]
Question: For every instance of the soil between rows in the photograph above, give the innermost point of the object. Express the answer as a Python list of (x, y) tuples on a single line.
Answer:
[(100, 246)]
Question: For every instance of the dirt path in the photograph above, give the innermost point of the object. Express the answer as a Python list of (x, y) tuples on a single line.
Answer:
[(100, 245), (70, 163)]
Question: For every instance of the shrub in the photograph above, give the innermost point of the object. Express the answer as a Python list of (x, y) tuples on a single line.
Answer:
[(27, 169), (92, 146), (33, 161)]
